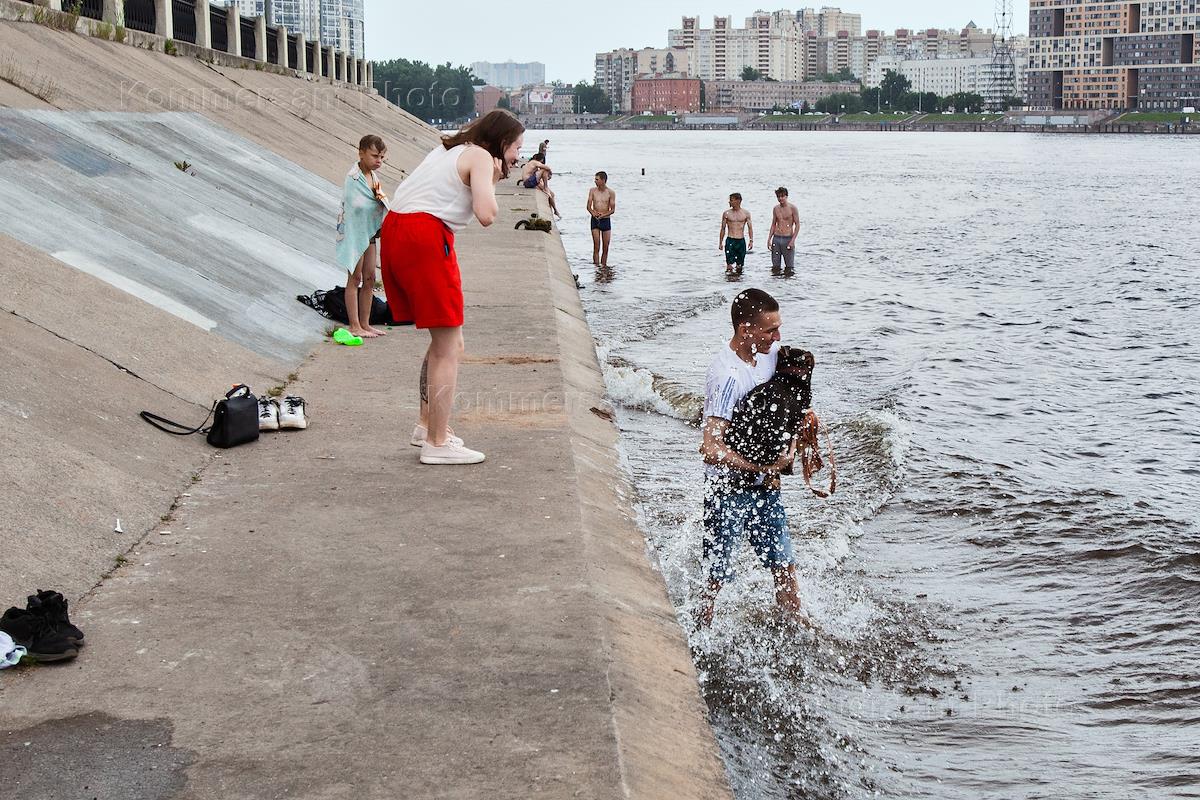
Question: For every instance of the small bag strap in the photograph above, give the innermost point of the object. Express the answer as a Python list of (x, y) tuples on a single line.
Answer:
[(180, 430)]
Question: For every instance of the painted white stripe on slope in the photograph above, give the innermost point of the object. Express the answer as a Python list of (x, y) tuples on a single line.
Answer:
[(155, 298)]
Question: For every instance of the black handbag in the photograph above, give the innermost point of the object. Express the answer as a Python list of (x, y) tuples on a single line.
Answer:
[(235, 420)]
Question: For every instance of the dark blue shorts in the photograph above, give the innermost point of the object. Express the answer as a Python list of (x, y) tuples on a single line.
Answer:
[(731, 515), (602, 224)]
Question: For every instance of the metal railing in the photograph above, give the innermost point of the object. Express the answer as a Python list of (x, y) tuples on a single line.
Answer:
[(140, 16), (184, 14), (218, 21), (249, 39), (93, 9)]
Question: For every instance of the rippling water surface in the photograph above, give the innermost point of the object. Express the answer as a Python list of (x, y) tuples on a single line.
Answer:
[(1006, 327)]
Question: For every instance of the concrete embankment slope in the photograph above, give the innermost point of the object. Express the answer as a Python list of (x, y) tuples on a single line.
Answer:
[(130, 285), (319, 616)]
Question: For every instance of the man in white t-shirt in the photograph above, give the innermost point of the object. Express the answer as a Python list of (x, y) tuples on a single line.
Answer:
[(741, 498)]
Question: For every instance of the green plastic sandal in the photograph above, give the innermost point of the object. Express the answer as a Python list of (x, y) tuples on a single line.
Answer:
[(343, 336)]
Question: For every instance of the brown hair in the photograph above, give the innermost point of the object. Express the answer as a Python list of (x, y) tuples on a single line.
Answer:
[(371, 140), (749, 304), (494, 132)]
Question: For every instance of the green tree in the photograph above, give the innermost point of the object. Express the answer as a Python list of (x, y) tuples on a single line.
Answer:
[(844, 75), (749, 73), (590, 99), (893, 88), (444, 93), (963, 102), (842, 102)]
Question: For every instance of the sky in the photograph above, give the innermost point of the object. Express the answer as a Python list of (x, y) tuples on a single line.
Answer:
[(565, 35)]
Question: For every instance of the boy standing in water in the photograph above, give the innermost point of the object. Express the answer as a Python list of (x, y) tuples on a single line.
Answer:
[(785, 227), (735, 221), (601, 204), (742, 498)]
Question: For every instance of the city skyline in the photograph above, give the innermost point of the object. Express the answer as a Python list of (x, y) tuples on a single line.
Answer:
[(391, 32)]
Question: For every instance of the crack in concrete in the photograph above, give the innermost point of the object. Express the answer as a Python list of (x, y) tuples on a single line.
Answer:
[(120, 367)]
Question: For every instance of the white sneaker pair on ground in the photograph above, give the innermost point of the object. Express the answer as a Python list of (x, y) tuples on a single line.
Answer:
[(285, 414), (452, 452)]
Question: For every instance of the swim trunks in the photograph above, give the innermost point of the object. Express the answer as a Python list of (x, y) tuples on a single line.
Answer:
[(604, 224), (735, 251), (420, 271), (532, 181)]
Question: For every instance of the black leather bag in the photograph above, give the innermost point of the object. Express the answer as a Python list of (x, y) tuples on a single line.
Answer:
[(235, 420)]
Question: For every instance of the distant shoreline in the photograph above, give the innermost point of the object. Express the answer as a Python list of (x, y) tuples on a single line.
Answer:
[(884, 127), (928, 124)]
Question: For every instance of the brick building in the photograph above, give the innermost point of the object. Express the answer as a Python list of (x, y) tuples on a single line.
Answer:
[(662, 94)]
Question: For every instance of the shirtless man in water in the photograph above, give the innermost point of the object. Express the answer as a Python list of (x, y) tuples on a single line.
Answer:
[(785, 227), (736, 223), (601, 204)]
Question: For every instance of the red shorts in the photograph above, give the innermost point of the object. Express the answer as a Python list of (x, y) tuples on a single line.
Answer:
[(420, 271)]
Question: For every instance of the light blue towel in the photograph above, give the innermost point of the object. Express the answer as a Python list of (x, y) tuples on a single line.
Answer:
[(361, 218), (10, 653)]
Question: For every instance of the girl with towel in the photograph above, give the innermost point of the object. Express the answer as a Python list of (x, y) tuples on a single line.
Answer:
[(364, 205)]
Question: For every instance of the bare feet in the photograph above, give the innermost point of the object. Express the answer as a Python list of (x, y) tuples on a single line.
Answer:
[(376, 331), (363, 332)]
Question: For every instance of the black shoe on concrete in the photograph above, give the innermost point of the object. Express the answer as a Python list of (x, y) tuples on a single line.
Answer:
[(53, 606), (37, 635)]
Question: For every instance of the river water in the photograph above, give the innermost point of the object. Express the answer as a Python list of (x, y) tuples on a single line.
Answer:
[(1006, 328)]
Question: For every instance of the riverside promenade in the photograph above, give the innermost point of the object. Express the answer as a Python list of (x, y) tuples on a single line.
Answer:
[(314, 615), (322, 617)]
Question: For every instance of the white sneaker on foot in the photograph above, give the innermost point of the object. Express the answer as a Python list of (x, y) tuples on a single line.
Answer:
[(291, 413), (450, 453), (420, 434), (268, 414)]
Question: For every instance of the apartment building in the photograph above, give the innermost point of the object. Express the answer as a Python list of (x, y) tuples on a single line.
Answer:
[(336, 23), (829, 22), (769, 95), (616, 70), (663, 94), (1114, 55), (510, 74), (947, 76), (806, 46)]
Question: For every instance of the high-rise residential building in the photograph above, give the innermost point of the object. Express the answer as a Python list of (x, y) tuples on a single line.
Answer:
[(947, 76), (829, 22), (1114, 55), (337, 23), (616, 70), (510, 74), (770, 43), (812, 44)]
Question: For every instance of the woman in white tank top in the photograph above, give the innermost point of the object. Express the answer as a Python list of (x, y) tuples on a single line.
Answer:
[(455, 183)]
